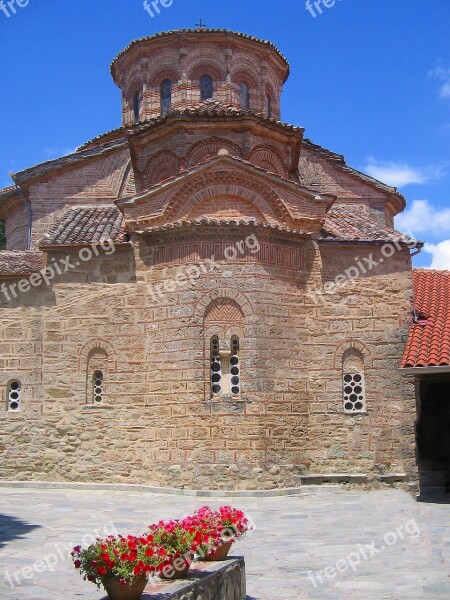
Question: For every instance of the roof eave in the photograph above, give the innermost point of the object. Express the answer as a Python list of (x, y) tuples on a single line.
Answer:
[(340, 162), (165, 34), (327, 199), (425, 370), (46, 247), (8, 192), (202, 114), (70, 160), (366, 242)]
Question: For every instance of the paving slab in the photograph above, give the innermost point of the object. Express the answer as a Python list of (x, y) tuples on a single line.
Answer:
[(324, 543)]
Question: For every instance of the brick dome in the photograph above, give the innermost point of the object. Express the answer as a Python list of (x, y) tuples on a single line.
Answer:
[(179, 69)]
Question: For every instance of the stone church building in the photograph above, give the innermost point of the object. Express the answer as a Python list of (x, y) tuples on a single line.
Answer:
[(203, 297)]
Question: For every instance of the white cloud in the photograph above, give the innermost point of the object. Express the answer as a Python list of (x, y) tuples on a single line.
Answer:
[(393, 173), (440, 253), (399, 174), (421, 216), (443, 75)]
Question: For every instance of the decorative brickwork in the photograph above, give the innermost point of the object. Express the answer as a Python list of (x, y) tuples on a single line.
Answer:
[(184, 57), (268, 159), (229, 229), (206, 149), (163, 166)]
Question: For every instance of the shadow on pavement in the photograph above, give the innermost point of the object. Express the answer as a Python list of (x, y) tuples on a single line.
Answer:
[(12, 529)]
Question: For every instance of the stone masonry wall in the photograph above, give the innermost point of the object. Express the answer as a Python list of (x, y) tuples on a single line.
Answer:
[(157, 424)]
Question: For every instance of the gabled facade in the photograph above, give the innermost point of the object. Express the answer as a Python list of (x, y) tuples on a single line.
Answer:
[(224, 302)]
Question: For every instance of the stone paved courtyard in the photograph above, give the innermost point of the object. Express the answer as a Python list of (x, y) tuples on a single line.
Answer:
[(295, 537)]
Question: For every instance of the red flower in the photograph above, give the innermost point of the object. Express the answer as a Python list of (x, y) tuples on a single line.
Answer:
[(77, 564), (101, 571)]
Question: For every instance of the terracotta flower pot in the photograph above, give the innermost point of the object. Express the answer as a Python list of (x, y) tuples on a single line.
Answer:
[(129, 591), (177, 570), (221, 553)]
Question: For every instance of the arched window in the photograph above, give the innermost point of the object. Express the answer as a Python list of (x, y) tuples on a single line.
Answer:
[(224, 327), (216, 368), (14, 392), (97, 387), (166, 96), (244, 96), (225, 370), (269, 106), (354, 391), (98, 369), (206, 87), (235, 372), (136, 106)]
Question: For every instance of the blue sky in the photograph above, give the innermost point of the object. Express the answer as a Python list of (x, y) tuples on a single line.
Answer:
[(369, 79)]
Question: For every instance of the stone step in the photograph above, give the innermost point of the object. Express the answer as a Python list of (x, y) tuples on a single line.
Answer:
[(224, 580)]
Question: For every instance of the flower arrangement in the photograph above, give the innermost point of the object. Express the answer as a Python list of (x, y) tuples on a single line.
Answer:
[(122, 558), (166, 549), (178, 539), (220, 527)]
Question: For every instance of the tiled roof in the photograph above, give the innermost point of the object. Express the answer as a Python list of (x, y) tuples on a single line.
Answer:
[(87, 225), (109, 136), (429, 337), (348, 224), (204, 31), (339, 161), (7, 190), (20, 263), (70, 159), (205, 221), (208, 108)]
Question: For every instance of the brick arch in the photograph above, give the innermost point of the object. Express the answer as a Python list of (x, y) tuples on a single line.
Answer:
[(354, 359), (227, 184), (268, 158), (207, 66), (168, 71), (224, 311), (134, 84), (222, 295), (349, 345), (205, 149), (245, 74), (97, 348), (160, 167)]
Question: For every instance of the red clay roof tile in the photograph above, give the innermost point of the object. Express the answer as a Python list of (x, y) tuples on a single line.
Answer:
[(87, 225), (429, 345), (347, 224)]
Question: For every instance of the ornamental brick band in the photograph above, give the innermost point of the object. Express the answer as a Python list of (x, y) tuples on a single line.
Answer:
[(223, 580)]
